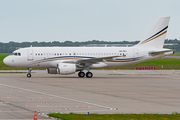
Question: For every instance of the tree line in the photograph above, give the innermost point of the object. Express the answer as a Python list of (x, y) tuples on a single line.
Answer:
[(11, 46)]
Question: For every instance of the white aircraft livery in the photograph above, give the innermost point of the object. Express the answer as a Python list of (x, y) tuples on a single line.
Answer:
[(68, 60)]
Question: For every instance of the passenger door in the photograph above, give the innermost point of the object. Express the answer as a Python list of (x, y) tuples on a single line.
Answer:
[(30, 55)]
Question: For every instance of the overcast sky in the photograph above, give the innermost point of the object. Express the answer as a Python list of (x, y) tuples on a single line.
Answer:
[(83, 20)]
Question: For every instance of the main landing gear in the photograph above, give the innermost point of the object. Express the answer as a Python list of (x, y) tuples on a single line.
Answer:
[(82, 74), (29, 73)]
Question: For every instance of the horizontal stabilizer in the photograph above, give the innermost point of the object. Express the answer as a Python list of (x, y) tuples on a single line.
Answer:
[(160, 52)]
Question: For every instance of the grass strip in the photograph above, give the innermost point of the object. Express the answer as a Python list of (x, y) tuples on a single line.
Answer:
[(73, 116)]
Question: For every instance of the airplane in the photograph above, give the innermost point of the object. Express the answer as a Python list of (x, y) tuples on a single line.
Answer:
[(69, 60)]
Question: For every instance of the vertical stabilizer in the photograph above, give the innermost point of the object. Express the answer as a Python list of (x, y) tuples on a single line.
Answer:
[(156, 35)]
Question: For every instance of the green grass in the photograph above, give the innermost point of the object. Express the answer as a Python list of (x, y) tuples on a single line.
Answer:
[(72, 116), (165, 63)]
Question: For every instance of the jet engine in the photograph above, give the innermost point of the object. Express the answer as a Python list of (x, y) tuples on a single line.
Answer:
[(64, 69)]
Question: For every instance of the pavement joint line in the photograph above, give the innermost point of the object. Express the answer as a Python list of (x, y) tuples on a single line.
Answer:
[(70, 99), (13, 111), (33, 100)]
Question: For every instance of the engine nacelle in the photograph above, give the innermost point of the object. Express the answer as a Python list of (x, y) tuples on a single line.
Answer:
[(52, 70), (65, 68)]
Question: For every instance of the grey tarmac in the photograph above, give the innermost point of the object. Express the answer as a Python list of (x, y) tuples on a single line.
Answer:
[(109, 91)]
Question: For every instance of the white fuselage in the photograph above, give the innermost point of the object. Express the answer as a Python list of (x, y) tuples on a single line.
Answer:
[(49, 57)]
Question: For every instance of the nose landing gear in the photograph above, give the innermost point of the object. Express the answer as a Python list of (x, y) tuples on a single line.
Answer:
[(29, 73)]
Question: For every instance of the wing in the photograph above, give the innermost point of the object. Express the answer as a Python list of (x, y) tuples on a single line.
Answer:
[(90, 61)]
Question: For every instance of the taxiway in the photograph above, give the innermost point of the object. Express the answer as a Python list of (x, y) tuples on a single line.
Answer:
[(150, 91)]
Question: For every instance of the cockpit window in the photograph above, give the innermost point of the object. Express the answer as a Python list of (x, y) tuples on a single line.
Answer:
[(16, 54)]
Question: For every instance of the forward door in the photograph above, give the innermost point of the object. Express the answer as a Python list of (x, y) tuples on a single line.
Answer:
[(30, 55)]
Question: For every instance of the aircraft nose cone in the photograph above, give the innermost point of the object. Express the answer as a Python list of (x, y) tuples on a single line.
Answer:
[(6, 60)]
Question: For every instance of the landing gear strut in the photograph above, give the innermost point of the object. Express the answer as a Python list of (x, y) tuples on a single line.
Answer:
[(29, 73)]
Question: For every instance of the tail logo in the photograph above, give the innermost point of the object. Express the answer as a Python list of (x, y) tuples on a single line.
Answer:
[(158, 34)]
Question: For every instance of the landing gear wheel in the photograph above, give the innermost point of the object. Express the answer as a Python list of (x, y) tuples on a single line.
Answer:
[(89, 74), (81, 74), (28, 75)]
